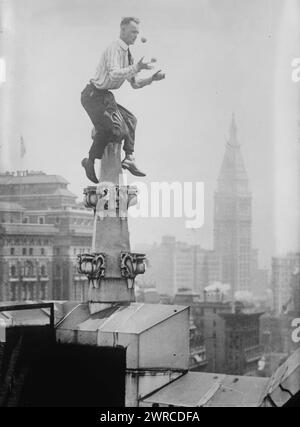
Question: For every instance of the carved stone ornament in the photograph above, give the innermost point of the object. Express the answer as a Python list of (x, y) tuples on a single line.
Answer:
[(132, 264), (90, 197), (93, 266)]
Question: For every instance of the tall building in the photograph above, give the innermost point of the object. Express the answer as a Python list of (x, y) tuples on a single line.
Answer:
[(42, 230), (174, 265), (198, 359), (230, 334), (259, 277), (242, 349), (283, 268), (232, 217)]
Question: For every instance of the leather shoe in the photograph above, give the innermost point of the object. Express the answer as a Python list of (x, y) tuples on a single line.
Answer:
[(88, 165), (129, 163)]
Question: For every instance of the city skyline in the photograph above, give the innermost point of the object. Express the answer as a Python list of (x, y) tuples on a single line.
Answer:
[(220, 43)]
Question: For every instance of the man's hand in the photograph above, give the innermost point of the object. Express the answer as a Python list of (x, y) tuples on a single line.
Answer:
[(144, 65), (158, 76)]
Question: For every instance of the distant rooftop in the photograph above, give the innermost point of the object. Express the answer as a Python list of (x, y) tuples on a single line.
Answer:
[(30, 177), (64, 192), (25, 229)]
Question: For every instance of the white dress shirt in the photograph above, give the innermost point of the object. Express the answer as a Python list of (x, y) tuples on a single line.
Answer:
[(113, 69)]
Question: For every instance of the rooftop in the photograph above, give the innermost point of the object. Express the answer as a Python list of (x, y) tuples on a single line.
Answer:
[(134, 318), (64, 192), (286, 381), (210, 390), (28, 229), (26, 177)]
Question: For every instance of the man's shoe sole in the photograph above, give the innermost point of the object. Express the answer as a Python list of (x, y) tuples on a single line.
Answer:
[(135, 173)]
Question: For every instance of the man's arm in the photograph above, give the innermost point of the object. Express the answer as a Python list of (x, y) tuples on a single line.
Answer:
[(139, 83)]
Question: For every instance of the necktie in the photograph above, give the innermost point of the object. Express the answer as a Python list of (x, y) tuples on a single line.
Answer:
[(130, 61)]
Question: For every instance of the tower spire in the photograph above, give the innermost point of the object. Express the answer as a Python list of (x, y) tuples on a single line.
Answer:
[(233, 132), (232, 218), (233, 176)]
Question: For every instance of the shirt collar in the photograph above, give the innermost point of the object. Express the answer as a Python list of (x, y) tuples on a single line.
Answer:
[(123, 44)]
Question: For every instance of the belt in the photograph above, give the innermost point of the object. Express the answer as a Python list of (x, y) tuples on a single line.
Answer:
[(91, 84)]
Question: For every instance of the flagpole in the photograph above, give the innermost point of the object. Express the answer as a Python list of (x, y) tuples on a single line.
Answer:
[(22, 151), (22, 155)]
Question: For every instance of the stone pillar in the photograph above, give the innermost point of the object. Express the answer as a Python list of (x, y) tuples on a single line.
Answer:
[(111, 268)]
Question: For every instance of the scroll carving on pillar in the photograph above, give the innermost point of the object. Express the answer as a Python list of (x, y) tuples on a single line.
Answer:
[(90, 197), (132, 264), (93, 266)]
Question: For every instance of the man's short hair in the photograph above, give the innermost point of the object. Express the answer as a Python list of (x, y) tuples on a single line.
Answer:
[(128, 19)]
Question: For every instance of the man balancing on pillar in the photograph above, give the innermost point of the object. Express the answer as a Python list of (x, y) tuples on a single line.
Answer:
[(111, 121)]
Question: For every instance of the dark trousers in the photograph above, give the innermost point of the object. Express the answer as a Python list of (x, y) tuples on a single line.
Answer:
[(112, 122)]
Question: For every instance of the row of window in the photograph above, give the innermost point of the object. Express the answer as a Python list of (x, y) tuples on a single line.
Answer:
[(82, 222), (41, 220), (26, 242), (29, 251), (42, 251), (26, 291), (27, 270)]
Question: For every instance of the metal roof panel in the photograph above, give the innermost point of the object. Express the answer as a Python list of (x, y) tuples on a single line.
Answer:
[(205, 389)]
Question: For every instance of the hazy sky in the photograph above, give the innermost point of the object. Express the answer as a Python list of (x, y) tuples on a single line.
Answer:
[(219, 57)]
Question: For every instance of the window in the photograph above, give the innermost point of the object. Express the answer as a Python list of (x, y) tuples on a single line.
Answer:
[(25, 220), (12, 251), (29, 269), (31, 251), (42, 251), (57, 220), (43, 271), (43, 294), (24, 251), (13, 293), (41, 220), (13, 271)]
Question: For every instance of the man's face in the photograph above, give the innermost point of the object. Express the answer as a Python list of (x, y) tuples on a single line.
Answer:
[(130, 32)]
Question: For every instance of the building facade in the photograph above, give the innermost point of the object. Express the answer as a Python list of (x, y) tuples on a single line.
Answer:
[(198, 357), (42, 230), (232, 218), (174, 265), (283, 268), (231, 334)]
